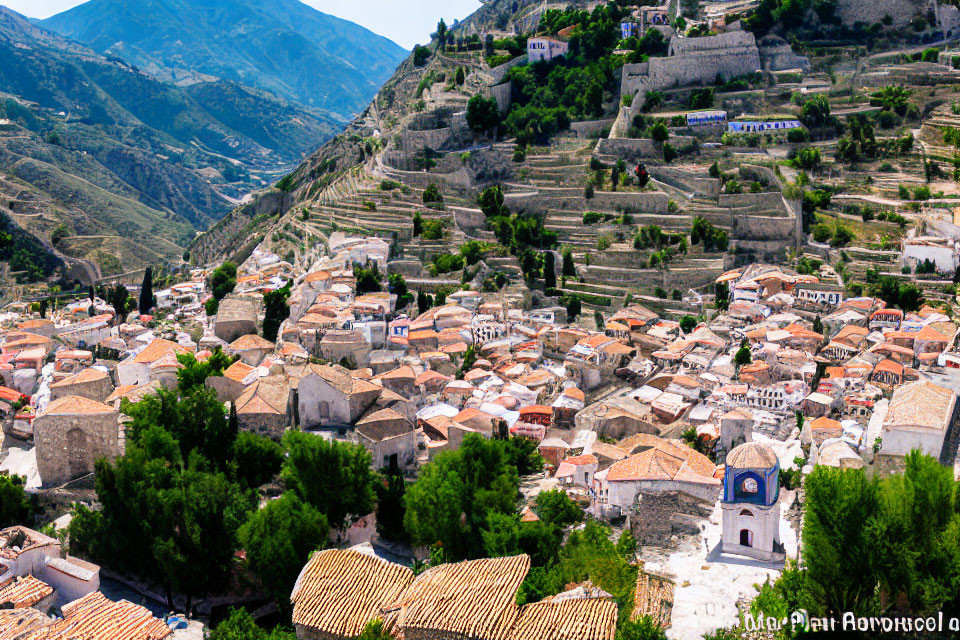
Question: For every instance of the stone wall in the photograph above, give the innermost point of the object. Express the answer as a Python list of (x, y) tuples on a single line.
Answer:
[(657, 516), (684, 180), (768, 201), (415, 140), (587, 128), (502, 93), (68, 445), (693, 61), (873, 11)]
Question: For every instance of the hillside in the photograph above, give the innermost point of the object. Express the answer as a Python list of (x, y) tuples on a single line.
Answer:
[(281, 46), (119, 153)]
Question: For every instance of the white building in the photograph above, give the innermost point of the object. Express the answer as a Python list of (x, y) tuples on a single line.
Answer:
[(942, 252), (544, 48)]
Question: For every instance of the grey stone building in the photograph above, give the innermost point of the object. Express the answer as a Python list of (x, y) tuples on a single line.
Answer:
[(72, 433)]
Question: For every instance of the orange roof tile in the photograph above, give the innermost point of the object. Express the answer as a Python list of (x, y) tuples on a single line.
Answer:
[(157, 349), (75, 405)]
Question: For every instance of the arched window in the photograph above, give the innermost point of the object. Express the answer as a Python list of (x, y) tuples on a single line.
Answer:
[(746, 512)]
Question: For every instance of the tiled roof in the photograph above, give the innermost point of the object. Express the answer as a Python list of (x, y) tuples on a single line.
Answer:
[(342, 379), (95, 617), (251, 342), (922, 404), (340, 590), (266, 395), (384, 424), (665, 461), (80, 377), (752, 455), (17, 623), (824, 423), (471, 599), (157, 349), (24, 592), (579, 619), (237, 371), (75, 405)]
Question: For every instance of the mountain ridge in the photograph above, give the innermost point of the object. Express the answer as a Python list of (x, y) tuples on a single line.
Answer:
[(282, 46)]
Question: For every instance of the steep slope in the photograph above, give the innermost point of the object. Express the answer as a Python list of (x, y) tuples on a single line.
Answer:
[(116, 153), (282, 46)]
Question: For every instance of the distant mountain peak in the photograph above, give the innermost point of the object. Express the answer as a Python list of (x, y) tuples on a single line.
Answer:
[(282, 46)]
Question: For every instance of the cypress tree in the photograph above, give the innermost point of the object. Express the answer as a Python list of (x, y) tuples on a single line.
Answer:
[(549, 272), (146, 291)]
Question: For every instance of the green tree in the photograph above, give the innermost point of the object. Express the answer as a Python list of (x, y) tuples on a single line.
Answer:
[(659, 133), (196, 420), (375, 630), (119, 298), (193, 373), (483, 115), (837, 552), (279, 539), (432, 194), (491, 201), (815, 112), (319, 470), (688, 323), (391, 507), (146, 291), (15, 505), (223, 280), (276, 310), (569, 268), (456, 493), (240, 625), (549, 272), (441, 35), (258, 458), (643, 629), (743, 357), (555, 507)]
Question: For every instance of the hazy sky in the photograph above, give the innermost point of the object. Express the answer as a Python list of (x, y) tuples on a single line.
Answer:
[(406, 22)]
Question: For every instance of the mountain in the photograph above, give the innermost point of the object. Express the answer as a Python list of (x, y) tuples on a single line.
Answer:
[(126, 166), (281, 46)]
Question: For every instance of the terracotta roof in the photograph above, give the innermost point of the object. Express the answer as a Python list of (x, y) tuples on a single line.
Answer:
[(471, 599), (889, 366), (430, 376), (342, 379), (400, 373), (664, 462), (585, 459), (340, 590), (75, 405), (384, 424), (576, 394), (157, 349), (824, 423), (24, 592), (251, 342), (752, 455), (95, 617), (16, 623), (574, 619), (266, 395), (238, 371), (80, 377), (536, 409), (920, 404)]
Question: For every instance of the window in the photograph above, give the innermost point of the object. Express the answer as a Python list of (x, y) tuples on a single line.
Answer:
[(746, 538)]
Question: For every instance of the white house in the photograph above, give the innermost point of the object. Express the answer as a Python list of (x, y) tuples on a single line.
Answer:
[(544, 48), (943, 252), (918, 417)]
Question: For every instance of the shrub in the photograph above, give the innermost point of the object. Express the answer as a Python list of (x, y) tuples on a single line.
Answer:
[(798, 135), (447, 262), (592, 217), (432, 230), (432, 194)]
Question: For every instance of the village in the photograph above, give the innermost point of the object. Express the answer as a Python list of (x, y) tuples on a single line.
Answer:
[(468, 371)]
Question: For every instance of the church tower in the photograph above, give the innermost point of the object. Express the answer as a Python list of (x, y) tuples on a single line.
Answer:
[(751, 503)]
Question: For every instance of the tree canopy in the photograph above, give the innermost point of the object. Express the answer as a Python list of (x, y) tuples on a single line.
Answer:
[(455, 494), (335, 477), (279, 539)]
